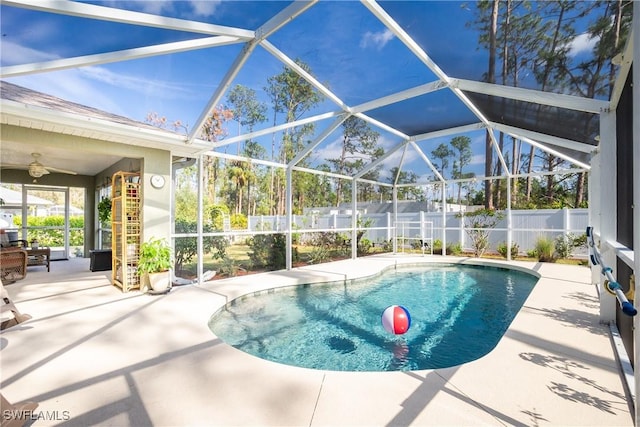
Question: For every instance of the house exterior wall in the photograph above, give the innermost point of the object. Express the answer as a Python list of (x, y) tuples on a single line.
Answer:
[(149, 161)]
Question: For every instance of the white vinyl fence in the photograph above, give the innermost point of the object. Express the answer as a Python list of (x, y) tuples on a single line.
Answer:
[(527, 226)]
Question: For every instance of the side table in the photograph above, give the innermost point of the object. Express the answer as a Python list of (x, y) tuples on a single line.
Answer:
[(40, 256)]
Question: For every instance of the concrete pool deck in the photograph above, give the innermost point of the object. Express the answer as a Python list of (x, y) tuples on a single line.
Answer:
[(92, 355)]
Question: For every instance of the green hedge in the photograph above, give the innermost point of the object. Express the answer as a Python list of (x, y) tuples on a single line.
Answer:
[(53, 237)]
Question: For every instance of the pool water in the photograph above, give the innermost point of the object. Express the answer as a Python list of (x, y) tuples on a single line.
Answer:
[(458, 314)]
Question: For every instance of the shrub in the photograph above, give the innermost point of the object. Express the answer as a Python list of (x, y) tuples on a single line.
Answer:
[(386, 245), (319, 254), (544, 249), (187, 247), (239, 221), (502, 249), (216, 216), (53, 236), (270, 251), (229, 267), (437, 247), (454, 249), (364, 246), (565, 244)]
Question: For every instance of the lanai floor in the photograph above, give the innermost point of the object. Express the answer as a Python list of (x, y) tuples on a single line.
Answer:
[(92, 355)]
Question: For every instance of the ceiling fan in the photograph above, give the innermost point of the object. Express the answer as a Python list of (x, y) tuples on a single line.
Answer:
[(37, 169)]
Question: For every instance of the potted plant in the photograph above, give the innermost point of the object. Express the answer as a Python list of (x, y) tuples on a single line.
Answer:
[(104, 210), (154, 263)]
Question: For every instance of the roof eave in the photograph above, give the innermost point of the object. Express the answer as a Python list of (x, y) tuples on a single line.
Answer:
[(72, 124)]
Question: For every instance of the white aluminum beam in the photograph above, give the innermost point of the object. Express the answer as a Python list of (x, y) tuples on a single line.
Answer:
[(283, 17), (117, 56), (381, 184), (304, 74), (625, 68), (520, 175), (380, 159), (103, 13), (284, 166), (381, 125), (289, 212), (399, 96), (272, 129), (244, 159), (496, 147), (404, 153), (447, 132), (221, 89), (554, 172), (333, 126), (427, 161), (554, 140), (399, 32), (470, 105), (323, 173), (569, 102), (395, 28), (551, 151)]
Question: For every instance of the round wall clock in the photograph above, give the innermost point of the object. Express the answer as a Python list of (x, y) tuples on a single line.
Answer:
[(157, 181)]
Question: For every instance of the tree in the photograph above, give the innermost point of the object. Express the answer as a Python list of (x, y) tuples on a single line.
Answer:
[(553, 50), (247, 112), (246, 108), (491, 78), (462, 146), (478, 225), (536, 39), (253, 150), (359, 145), (442, 153), (591, 77), (406, 177), (319, 188), (292, 96)]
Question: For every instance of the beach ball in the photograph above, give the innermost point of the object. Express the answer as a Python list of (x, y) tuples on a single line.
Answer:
[(396, 319)]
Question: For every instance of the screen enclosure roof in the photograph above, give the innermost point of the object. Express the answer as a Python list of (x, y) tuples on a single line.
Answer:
[(414, 70)]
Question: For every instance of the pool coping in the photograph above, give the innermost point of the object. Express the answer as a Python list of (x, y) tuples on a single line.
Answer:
[(404, 261)]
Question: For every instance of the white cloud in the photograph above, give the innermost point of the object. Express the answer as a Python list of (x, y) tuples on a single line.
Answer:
[(376, 40), (330, 151), (205, 8), (13, 53), (477, 159), (582, 43), (130, 82), (199, 8), (152, 7)]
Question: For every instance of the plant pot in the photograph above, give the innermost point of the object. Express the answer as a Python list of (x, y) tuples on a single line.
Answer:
[(159, 282)]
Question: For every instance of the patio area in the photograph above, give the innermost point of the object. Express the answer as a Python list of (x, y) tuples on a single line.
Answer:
[(92, 355)]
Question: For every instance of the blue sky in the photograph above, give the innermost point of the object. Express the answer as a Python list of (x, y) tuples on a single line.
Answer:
[(345, 45)]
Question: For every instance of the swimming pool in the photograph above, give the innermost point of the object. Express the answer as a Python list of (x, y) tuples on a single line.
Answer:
[(458, 312)]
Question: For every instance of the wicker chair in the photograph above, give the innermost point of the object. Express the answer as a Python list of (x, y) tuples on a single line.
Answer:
[(13, 264)]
